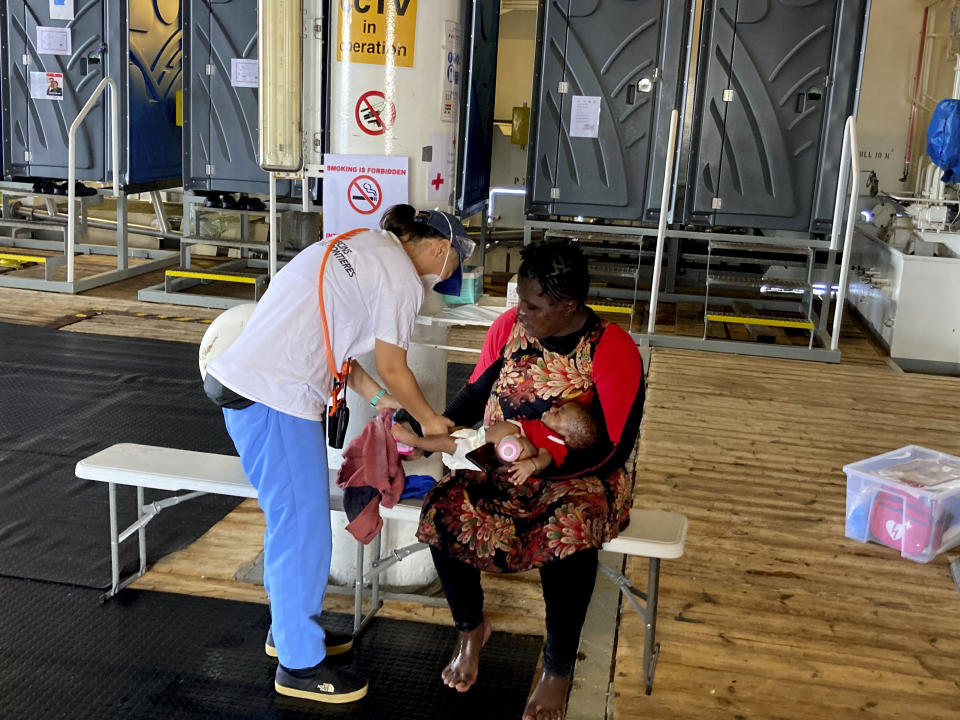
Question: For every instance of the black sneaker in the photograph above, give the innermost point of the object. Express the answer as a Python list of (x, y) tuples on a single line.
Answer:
[(328, 684), (337, 643)]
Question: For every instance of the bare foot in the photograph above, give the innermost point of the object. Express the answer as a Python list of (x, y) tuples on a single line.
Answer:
[(549, 698), (461, 673)]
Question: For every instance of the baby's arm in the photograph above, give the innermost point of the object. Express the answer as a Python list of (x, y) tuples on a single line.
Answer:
[(498, 431), (529, 465), (430, 443)]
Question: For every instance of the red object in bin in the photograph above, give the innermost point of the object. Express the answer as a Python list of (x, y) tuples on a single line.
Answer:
[(900, 521)]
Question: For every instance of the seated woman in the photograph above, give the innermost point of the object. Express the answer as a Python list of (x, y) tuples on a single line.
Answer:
[(551, 350)]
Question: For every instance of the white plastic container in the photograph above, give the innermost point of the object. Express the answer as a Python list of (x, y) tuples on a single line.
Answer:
[(907, 499)]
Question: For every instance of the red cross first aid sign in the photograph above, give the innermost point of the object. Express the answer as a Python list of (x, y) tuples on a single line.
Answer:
[(358, 189), (443, 160)]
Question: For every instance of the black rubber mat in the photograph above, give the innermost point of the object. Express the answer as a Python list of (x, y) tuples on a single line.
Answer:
[(152, 655), (67, 395), (457, 376)]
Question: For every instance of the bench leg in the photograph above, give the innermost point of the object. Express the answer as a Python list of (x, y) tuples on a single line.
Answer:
[(114, 545), (141, 532), (358, 590), (145, 513), (651, 648)]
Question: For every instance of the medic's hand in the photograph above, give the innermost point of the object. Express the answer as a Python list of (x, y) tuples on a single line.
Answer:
[(437, 425)]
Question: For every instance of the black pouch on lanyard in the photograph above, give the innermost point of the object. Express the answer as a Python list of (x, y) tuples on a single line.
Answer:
[(337, 426)]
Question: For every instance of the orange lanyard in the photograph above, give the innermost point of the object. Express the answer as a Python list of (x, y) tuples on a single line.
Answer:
[(339, 378)]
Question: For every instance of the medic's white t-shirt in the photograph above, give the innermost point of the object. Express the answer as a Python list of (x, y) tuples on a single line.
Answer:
[(371, 291)]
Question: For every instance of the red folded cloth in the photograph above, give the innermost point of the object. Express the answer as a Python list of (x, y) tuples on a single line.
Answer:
[(371, 461)]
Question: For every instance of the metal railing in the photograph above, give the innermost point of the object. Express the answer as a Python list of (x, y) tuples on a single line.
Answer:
[(72, 162), (662, 227), (849, 174)]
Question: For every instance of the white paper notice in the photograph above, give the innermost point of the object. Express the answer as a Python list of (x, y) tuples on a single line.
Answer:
[(585, 116), (61, 9), (244, 73), (46, 86), (357, 190), (54, 41)]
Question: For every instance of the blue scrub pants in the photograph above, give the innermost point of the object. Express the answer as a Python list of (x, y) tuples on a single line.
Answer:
[(285, 458)]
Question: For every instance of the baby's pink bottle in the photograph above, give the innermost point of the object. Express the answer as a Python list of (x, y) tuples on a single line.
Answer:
[(508, 449)]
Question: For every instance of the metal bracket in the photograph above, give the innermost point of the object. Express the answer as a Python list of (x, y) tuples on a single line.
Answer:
[(25, 59), (554, 193), (27, 156), (563, 88), (728, 95), (716, 203), (318, 28), (210, 69), (209, 169), (317, 142)]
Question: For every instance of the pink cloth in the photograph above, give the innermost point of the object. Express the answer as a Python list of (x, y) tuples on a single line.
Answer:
[(371, 461)]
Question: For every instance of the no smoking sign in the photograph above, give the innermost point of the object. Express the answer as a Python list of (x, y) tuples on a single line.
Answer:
[(374, 113), (364, 195)]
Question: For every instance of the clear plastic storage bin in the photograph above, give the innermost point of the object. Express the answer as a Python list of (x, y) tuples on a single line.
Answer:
[(908, 499)]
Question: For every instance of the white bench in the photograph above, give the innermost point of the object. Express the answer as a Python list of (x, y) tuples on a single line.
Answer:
[(653, 534)]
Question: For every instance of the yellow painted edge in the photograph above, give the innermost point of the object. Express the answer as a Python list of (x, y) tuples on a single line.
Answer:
[(23, 258), (772, 322), (211, 276), (610, 309)]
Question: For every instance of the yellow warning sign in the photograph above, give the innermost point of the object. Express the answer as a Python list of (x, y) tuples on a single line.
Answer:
[(370, 31)]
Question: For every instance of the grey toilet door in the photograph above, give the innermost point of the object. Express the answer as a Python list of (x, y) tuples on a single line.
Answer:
[(762, 112), (611, 50), (40, 125), (233, 111), (223, 114)]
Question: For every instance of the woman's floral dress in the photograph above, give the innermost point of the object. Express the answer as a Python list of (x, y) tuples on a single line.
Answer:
[(486, 521)]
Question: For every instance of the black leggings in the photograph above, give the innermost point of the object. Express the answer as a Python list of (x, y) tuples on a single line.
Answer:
[(567, 588)]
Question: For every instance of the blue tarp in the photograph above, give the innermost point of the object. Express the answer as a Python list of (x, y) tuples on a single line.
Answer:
[(943, 139)]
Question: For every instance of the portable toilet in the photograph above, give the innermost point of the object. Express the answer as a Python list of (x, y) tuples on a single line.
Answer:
[(55, 55)]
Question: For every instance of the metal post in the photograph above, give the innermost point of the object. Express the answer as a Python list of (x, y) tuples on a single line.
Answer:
[(123, 261), (305, 188), (160, 211), (851, 149), (72, 162), (273, 226), (662, 227)]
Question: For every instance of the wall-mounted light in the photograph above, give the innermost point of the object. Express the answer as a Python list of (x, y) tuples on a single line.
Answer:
[(281, 69)]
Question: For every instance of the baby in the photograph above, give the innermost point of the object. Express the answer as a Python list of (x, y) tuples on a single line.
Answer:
[(529, 446)]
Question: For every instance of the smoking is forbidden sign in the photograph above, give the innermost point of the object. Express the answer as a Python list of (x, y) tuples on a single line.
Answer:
[(358, 189)]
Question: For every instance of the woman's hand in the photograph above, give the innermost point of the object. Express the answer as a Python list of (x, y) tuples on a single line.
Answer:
[(437, 425)]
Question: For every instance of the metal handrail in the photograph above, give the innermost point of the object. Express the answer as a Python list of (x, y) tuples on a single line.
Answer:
[(72, 162), (849, 174), (662, 227)]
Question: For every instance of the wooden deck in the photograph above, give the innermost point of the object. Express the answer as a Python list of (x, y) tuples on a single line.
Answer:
[(771, 613)]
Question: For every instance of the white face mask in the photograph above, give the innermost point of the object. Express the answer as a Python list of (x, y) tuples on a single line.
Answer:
[(430, 280)]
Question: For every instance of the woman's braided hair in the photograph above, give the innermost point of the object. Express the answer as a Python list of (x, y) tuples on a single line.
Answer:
[(559, 267)]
